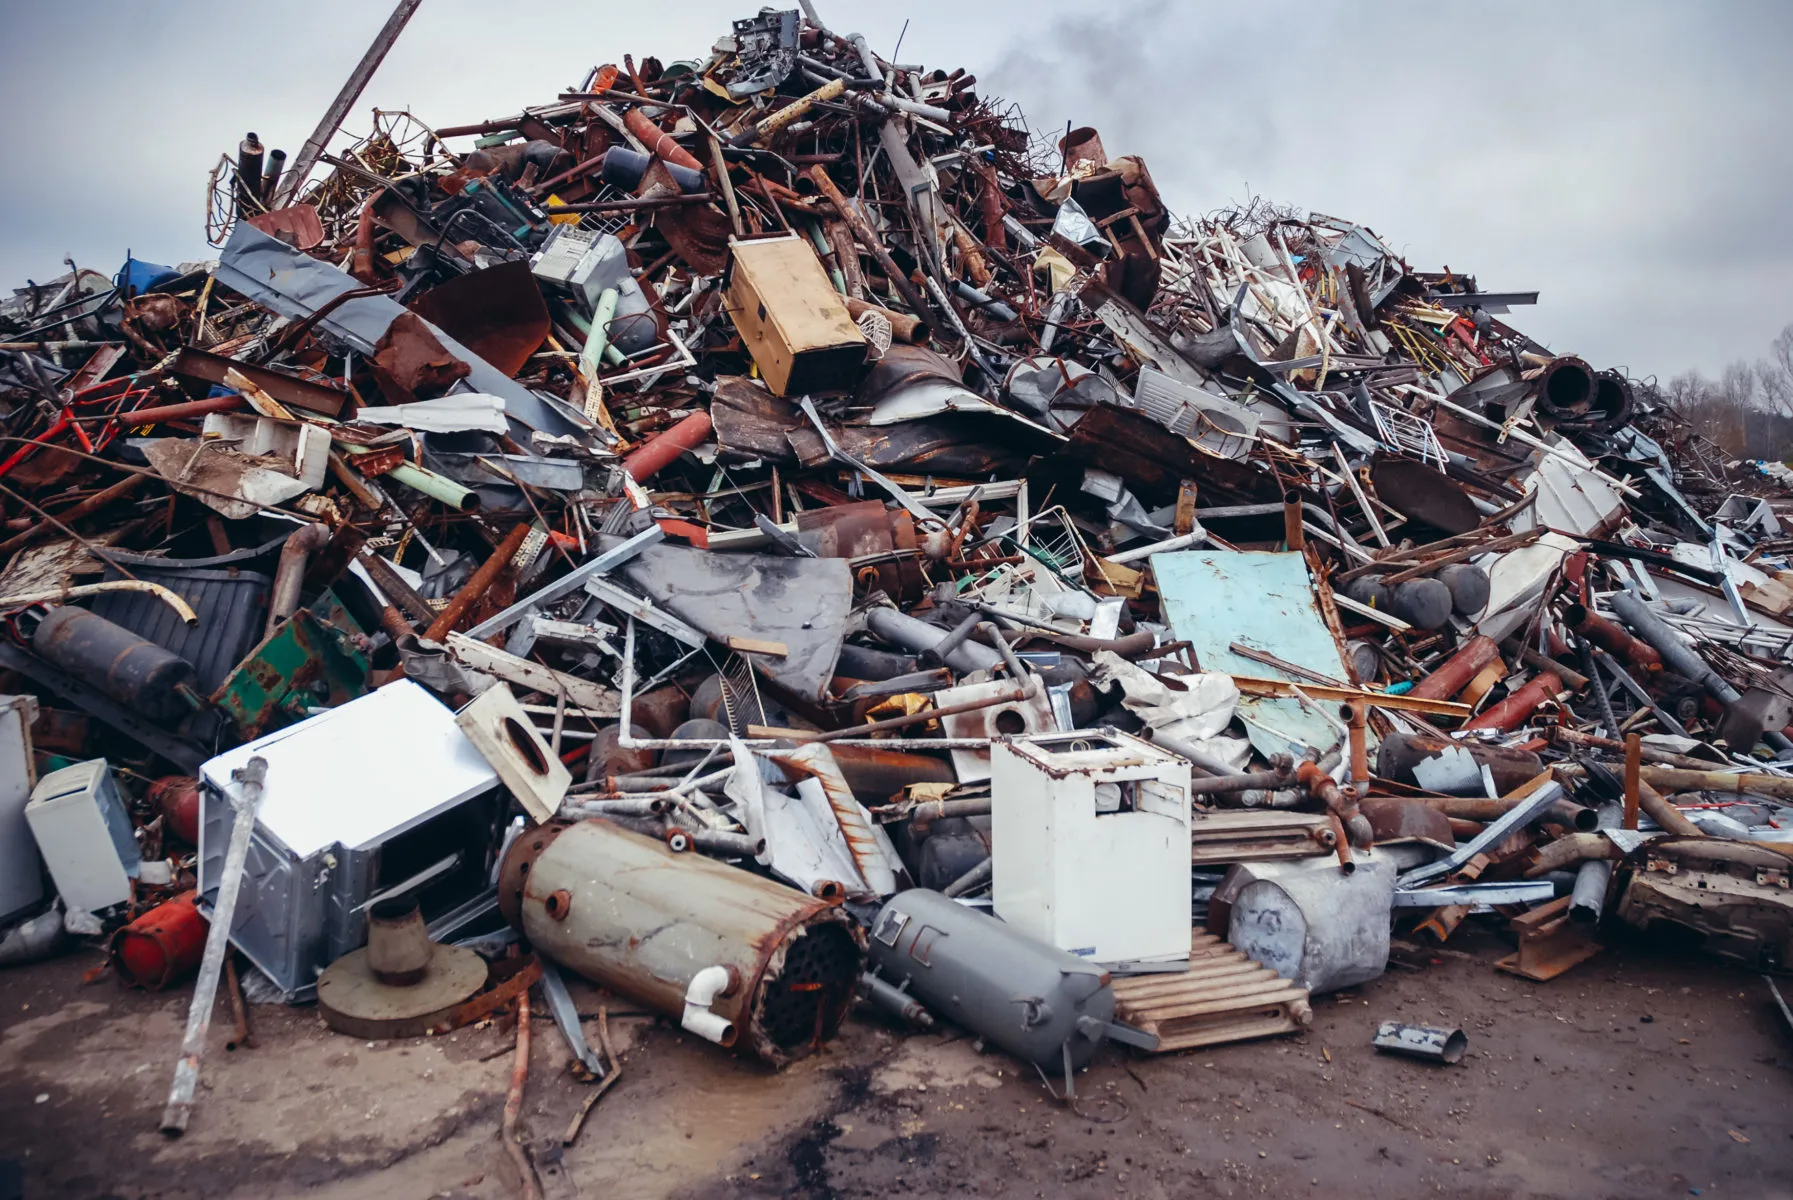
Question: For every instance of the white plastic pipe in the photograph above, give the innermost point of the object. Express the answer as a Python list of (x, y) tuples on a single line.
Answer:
[(702, 991)]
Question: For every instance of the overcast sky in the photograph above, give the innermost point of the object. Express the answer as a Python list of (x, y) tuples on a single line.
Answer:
[(1629, 160)]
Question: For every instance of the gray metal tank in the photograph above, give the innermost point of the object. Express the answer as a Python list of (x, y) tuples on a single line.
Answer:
[(1035, 1001)]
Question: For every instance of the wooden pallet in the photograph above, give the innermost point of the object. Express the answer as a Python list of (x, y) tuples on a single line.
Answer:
[(1223, 997)]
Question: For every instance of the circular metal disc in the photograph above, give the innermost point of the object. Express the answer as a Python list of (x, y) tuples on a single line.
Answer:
[(352, 1000)]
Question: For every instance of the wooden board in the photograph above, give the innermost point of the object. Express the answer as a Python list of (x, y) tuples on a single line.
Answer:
[(1223, 997)]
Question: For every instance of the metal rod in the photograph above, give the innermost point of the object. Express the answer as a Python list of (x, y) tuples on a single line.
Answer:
[(179, 1110), (513, 1104), (345, 100)]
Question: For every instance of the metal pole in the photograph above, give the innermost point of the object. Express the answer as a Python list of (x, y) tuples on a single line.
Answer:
[(217, 944), (364, 70)]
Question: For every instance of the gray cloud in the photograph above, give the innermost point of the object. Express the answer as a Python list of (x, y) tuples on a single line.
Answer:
[(1625, 159)]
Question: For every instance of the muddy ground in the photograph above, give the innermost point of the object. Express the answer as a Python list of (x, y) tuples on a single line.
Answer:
[(1641, 1073)]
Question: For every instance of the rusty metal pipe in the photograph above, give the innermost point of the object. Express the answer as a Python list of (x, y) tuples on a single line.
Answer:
[(159, 413), (92, 504), (1664, 813), (513, 1104), (1565, 738), (659, 143), (1341, 844), (1566, 851), (1454, 673), (290, 574), (864, 235), (903, 327), (1293, 534), (662, 450), (478, 584), (1215, 785), (1634, 652), (1473, 808), (1357, 723), (1512, 712)]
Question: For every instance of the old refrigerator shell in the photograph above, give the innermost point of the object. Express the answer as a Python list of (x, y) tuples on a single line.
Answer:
[(1090, 834)]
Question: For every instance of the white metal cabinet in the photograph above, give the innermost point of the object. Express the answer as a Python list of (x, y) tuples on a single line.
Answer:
[(1090, 837), (85, 835)]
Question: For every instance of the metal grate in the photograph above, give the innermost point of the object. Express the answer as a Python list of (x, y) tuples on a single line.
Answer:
[(741, 703), (1408, 433)]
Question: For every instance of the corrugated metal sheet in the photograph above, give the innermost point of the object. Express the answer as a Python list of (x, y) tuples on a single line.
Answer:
[(229, 593)]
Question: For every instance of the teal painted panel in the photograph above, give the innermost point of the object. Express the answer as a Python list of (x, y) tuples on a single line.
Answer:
[(1264, 600)]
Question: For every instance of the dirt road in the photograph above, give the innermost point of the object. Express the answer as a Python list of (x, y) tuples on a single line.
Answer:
[(1638, 1074)]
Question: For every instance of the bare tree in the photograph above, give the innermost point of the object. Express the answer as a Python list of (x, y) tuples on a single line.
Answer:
[(1774, 374)]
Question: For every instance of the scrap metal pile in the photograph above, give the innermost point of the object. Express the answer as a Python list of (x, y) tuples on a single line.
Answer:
[(781, 473)]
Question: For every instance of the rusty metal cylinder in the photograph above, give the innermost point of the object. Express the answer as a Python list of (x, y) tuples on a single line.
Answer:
[(903, 327), (628, 912), (1635, 653), (659, 143), (176, 797), (1516, 708), (1455, 672), (662, 451), (131, 670)]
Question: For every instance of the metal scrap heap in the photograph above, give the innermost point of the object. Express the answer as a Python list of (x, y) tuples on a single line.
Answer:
[(775, 497)]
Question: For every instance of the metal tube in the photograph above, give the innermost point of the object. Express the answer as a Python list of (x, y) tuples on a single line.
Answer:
[(940, 810), (1293, 534), (1518, 707), (971, 880), (1638, 655), (179, 1110), (1216, 785), (721, 841), (345, 99), (476, 586), (863, 234), (1634, 761), (436, 487), (1675, 653), (290, 574), (1454, 673), (1588, 898), (1194, 537), (659, 143), (1577, 847), (1665, 813), (662, 450)]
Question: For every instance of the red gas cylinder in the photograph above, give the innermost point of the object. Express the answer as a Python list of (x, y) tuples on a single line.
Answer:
[(176, 797), (163, 945)]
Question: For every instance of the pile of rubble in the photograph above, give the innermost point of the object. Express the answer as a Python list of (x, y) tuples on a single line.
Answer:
[(765, 533)]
